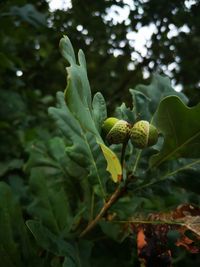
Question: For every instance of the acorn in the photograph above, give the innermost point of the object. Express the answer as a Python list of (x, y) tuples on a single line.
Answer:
[(143, 134), (116, 131)]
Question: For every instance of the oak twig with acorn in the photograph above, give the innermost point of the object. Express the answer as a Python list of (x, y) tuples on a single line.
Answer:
[(142, 134)]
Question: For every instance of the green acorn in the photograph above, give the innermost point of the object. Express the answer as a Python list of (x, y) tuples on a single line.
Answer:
[(116, 131), (143, 134)]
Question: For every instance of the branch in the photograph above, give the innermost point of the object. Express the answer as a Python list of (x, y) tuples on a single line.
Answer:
[(114, 197), (104, 209)]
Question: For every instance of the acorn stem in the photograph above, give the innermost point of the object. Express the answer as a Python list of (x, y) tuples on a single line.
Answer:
[(123, 152), (139, 152)]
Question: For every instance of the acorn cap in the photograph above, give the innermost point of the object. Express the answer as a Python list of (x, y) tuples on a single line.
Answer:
[(143, 134), (108, 124), (119, 133)]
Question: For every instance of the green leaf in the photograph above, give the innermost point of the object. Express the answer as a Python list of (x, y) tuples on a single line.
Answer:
[(42, 154), (49, 240), (8, 244), (10, 165), (12, 106), (113, 164), (188, 178), (180, 126), (57, 169), (114, 230), (29, 14), (84, 152), (77, 253), (68, 262), (78, 94), (16, 247), (159, 88), (67, 50), (83, 250), (99, 110), (50, 205), (140, 105), (125, 113), (80, 119)]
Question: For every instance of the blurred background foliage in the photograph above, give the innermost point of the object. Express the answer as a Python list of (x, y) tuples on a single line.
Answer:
[(123, 41)]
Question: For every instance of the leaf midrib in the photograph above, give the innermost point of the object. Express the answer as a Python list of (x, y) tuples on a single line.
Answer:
[(95, 167), (167, 175), (175, 150)]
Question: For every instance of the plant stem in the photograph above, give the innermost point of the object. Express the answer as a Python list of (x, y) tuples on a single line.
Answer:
[(102, 212), (92, 206), (150, 222), (137, 160), (114, 197), (123, 153)]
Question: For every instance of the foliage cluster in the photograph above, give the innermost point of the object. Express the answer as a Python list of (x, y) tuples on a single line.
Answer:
[(75, 214), (29, 36), (53, 176)]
